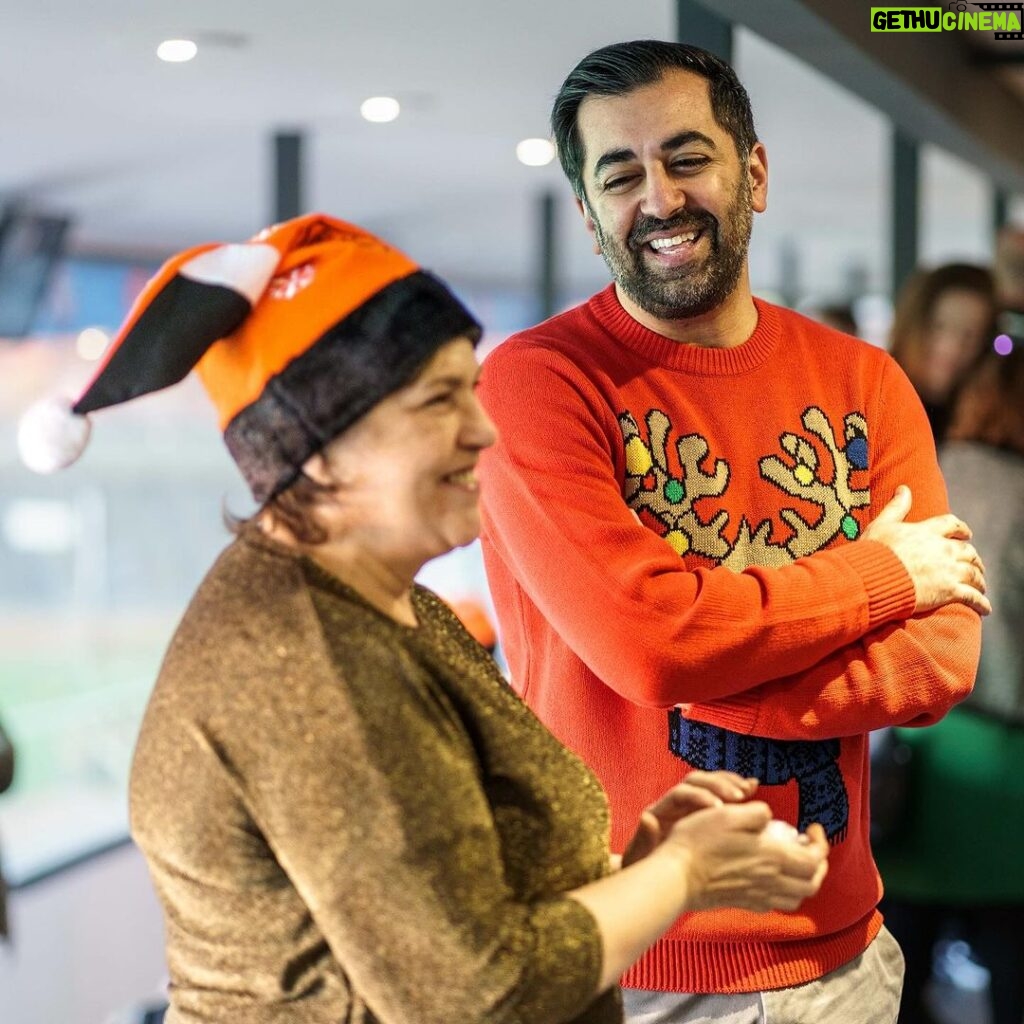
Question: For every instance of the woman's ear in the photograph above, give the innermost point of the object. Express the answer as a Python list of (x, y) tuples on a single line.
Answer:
[(332, 467), (317, 468)]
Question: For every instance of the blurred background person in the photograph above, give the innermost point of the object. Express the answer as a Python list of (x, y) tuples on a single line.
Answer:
[(477, 622), (347, 812), (944, 319), (835, 314), (957, 860), (1008, 269)]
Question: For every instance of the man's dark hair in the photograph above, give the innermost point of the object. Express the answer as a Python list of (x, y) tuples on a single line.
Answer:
[(622, 67)]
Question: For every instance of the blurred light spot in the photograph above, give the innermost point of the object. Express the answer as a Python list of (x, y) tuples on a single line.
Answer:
[(176, 51), (535, 152), (380, 109), (92, 343), (40, 526), (1003, 344)]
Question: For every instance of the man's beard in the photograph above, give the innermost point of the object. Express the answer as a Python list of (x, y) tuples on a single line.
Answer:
[(697, 286)]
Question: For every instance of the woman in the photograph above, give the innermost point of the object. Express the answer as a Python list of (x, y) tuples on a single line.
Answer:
[(958, 855), (944, 319), (347, 813)]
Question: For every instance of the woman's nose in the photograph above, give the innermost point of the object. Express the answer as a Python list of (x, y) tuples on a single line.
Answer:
[(479, 430)]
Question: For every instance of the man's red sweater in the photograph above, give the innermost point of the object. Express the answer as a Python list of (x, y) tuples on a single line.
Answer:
[(672, 539)]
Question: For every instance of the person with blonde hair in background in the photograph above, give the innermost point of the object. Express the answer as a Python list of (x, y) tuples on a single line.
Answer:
[(347, 813), (1008, 268), (944, 320)]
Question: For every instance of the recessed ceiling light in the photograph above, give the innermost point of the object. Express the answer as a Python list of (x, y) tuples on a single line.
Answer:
[(380, 109), (175, 51), (535, 152), (92, 343)]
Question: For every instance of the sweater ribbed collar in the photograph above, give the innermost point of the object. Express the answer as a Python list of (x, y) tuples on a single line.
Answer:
[(662, 351)]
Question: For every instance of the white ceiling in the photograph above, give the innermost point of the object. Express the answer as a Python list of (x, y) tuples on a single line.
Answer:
[(152, 156), (149, 157)]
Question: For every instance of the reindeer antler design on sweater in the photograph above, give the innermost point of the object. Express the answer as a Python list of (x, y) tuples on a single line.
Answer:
[(836, 498), (671, 499)]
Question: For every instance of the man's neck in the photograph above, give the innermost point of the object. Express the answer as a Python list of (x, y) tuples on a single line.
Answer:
[(727, 325)]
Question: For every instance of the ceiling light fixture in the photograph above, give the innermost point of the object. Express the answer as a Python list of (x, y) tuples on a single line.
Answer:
[(380, 109), (92, 343), (535, 152), (176, 51)]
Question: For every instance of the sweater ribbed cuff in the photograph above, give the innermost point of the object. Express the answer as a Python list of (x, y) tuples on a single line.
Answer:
[(889, 587), (737, 713)]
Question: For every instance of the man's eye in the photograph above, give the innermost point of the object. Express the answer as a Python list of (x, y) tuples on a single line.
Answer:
[(690, 163), (620, 182)]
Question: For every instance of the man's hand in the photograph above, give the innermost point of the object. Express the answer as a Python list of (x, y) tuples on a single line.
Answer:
[(699, 791), (943, 566)]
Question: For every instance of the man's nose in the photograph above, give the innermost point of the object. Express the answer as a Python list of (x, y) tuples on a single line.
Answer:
[(664, 195)]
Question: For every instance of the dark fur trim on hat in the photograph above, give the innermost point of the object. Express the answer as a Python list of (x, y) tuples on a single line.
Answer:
[(374, 351)]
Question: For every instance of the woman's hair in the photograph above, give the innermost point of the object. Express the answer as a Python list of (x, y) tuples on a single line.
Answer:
[(916, 303), (990, 408), (294, 509)]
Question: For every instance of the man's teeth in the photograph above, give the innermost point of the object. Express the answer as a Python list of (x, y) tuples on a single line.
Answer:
[(667, 243)]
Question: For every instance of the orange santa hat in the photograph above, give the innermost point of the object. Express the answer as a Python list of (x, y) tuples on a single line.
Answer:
[(295, 335)]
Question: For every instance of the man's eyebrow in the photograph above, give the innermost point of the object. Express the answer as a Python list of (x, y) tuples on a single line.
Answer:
[(618, 156), (613, 156), (685, 138)]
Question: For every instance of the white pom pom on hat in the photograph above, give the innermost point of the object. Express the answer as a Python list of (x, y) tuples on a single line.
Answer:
[(206, 291), (51, 436)]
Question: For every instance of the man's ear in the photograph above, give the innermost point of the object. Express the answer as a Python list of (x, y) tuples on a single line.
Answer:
[(757, 169), (588, 223)]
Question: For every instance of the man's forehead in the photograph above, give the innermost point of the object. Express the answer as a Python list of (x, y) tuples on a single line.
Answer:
[(676, 103)]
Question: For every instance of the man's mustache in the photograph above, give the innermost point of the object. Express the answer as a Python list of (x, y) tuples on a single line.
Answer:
[(680, 224)]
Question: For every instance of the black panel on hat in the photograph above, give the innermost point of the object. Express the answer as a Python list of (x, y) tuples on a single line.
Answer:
[(169, 338)]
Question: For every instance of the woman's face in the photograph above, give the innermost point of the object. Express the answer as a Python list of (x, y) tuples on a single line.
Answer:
[(407, 487), (957, 331)]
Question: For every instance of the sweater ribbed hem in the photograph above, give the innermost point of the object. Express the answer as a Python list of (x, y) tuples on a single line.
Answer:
[(673, 965), (888, 584)]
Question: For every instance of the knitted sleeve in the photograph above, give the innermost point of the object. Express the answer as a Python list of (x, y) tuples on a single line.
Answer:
[(367, 790), (908, 672), (617, 594)]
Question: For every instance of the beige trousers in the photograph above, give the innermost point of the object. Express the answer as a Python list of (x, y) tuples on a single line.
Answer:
[(864, 991)]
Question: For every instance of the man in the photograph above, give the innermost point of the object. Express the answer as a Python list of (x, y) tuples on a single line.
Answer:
[(688, 539)]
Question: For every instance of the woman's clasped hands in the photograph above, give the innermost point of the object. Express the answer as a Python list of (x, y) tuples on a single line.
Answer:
[(731, 849)]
